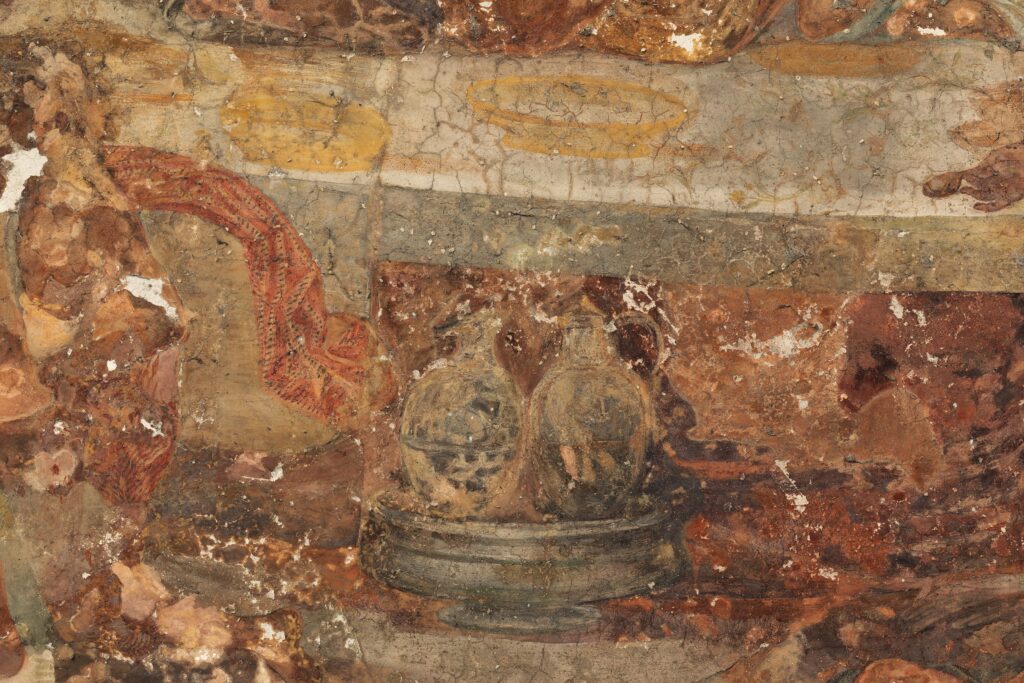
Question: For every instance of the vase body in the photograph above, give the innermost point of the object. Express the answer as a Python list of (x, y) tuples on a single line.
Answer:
[(590, 426), (460, 427)]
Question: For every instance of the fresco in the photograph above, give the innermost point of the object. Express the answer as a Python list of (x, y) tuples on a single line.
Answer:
[(512, 340)]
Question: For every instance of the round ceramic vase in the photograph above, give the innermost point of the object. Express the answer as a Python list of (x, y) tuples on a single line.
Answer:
[(460, 426), (590, 425)]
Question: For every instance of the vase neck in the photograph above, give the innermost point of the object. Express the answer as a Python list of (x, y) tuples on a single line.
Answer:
[(585, 341), (475, 339)]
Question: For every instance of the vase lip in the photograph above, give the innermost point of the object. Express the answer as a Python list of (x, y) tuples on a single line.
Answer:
[(583, 313), (483, 317), (475, 333)]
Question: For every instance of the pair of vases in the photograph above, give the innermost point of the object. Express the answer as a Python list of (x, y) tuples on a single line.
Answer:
[(466, 437)]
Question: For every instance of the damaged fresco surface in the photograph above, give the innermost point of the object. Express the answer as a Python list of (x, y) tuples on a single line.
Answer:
[(512, 340)]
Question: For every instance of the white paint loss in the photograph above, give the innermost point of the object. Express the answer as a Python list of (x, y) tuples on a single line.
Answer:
[(24, 164), (785, 345), (151, 290), (796, 499), (691, 43), (155, 428), (896, 307)]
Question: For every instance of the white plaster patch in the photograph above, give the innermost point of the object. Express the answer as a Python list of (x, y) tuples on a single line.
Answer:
[(797, 499), (111, 365), (151, 290), (691, 43), (929, 31), (782, 345), (155, 428), (351, 643), (828, 573), (278, 473), (896, 307), (541, 317), (25, 164), (634, 287), (268, 632)]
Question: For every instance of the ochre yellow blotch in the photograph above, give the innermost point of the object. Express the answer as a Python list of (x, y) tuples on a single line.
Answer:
[(304, 131), (576, 115)]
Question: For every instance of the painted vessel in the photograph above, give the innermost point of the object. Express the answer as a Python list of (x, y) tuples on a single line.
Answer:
[(591, 422), (461, 424)]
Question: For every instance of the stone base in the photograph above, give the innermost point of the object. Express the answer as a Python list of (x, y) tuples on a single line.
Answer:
[(518, 577), (519, 621)]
